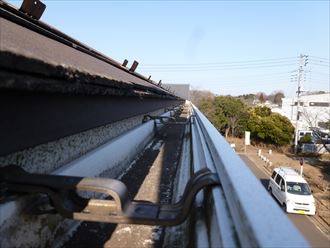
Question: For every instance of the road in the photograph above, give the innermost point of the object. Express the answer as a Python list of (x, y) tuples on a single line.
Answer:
[(304, 224)]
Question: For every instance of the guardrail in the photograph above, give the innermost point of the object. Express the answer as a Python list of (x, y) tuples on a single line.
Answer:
[(243, 213)]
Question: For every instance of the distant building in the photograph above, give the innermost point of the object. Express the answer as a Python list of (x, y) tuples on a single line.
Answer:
[(314, 110), (180, 90)]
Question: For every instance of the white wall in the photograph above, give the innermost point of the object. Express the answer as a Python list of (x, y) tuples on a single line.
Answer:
[(311, 114)]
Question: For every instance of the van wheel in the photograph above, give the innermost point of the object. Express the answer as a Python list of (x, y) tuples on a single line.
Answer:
[(270, 191), (284, 207)]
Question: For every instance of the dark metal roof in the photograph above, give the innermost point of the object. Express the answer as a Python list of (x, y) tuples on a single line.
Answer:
[(40, 44), (52, 86)]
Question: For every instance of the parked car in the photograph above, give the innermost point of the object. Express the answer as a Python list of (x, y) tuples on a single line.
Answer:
[(292, 191)]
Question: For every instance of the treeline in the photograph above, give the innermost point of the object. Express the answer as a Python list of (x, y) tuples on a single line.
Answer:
[(249, 99), (231, 116)]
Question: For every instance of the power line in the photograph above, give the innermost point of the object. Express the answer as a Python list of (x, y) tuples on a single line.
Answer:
[(320, 61), (312, 63), (322, 73), (216, 68), (227, 63), (319, 57), (233, 65), (195, 66), (278, 60)]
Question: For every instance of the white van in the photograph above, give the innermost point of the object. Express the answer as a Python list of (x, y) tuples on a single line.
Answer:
[(292, 191)]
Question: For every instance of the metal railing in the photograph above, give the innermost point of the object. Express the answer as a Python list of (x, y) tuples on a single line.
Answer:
[(243, 213)]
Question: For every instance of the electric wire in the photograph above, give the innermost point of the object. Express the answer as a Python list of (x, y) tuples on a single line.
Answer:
[(215, 68), (320, 65), (311, 56), (242, 80), (219, 64)]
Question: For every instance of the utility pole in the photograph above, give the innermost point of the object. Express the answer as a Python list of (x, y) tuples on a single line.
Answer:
[(300, 77)]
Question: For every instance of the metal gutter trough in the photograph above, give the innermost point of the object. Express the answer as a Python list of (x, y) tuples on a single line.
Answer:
[(230, 207)]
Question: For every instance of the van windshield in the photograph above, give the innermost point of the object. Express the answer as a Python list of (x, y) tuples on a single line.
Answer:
[(298, 188)]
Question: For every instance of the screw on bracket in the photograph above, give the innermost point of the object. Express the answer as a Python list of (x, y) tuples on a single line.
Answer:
[(33, 8), (160, 118), (192, 119), (62, 190)]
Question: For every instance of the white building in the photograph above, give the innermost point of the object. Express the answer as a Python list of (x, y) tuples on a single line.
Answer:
[(314, 110)]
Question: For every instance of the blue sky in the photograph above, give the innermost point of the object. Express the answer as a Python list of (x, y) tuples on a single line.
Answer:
[(227, 47)]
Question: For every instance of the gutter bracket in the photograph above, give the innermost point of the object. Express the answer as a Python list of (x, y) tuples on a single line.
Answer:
[(64, 194)]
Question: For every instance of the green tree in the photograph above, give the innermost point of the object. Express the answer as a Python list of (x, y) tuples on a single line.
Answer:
[(269, 127), (228, 114), (231, 116), (248, 99), (327, 124), (262, 111), (207, 106)]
